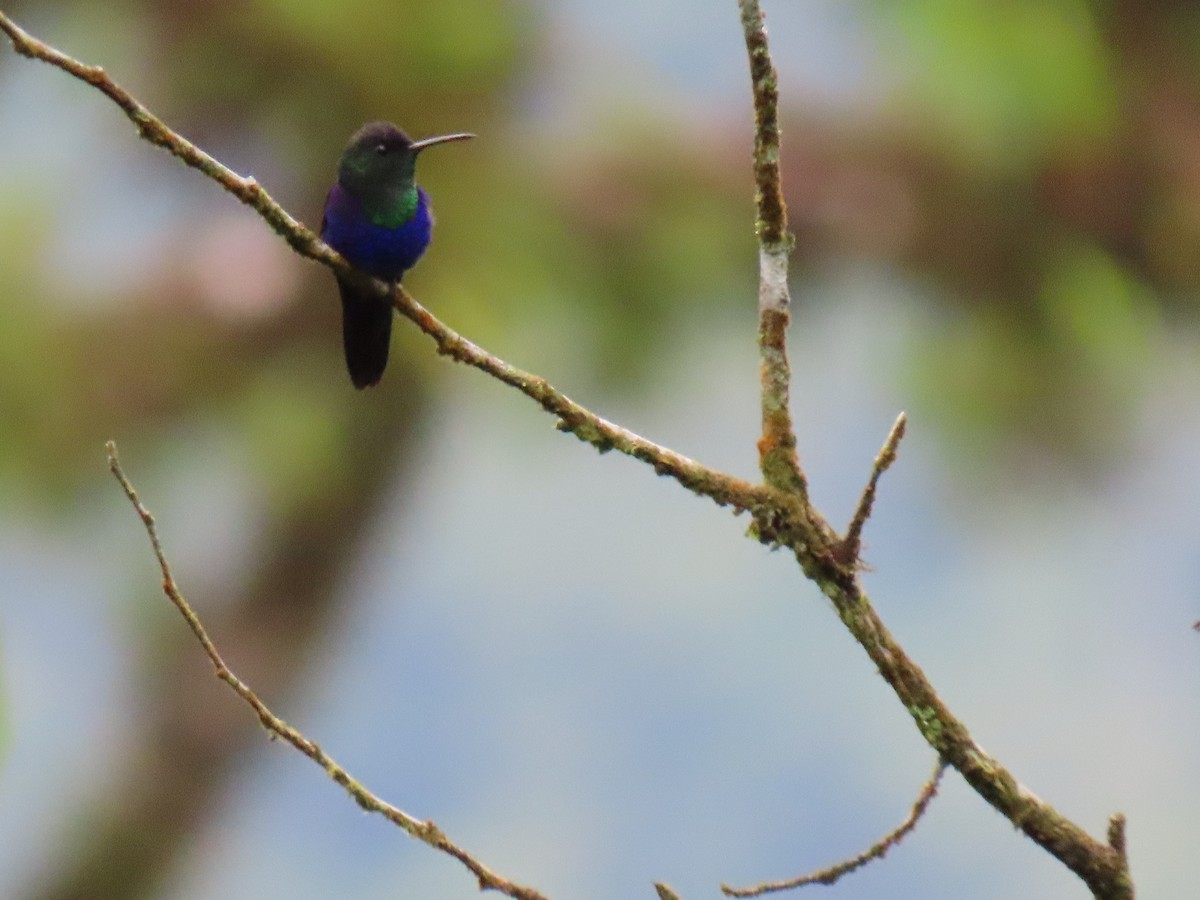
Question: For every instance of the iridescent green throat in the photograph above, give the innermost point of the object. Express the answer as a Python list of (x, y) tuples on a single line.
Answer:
[(394, 208)]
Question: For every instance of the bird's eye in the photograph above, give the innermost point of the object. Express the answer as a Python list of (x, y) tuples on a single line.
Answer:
[(381, 149)]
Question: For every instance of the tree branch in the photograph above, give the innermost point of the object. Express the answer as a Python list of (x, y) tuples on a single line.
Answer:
[(426, 831), (777, 446)]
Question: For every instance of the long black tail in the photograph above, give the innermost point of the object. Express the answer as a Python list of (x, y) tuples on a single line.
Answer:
[(366, 333)]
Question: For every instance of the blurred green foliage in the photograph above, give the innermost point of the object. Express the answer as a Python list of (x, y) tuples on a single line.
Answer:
[(1006, 83), (1045, 152)]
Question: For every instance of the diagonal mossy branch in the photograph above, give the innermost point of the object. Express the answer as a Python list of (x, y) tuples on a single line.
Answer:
[(1103, 867), (572, 417)]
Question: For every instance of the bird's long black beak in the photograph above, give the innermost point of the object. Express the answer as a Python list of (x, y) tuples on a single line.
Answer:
[(440, 139)]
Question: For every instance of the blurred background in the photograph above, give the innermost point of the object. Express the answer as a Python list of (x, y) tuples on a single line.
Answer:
[(585, 675)]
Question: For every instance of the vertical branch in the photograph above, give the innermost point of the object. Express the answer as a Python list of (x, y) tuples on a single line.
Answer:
[(777, 446)]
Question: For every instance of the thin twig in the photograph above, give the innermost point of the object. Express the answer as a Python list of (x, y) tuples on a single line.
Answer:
[(851, 545), (875, 851), (724, 489), (426, 831), (777, 446)]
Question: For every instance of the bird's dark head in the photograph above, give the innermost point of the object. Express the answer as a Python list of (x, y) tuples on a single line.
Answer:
[(382, 157)]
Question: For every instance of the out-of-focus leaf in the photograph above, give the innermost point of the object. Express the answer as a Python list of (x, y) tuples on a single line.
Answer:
[(1003, 82)]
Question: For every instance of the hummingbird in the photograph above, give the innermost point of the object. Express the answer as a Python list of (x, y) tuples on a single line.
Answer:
[(381, 222)]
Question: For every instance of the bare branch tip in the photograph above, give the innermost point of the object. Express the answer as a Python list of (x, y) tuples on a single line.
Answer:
[(847, 550), (891, 446), (1116, 833)]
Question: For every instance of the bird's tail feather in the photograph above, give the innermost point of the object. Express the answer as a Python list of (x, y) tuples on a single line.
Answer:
[(366, 333)]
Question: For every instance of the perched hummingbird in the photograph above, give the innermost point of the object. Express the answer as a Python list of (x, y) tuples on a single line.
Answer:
[(380, 220)]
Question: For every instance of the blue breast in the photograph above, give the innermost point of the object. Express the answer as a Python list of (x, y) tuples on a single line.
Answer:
[(384, 252)]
